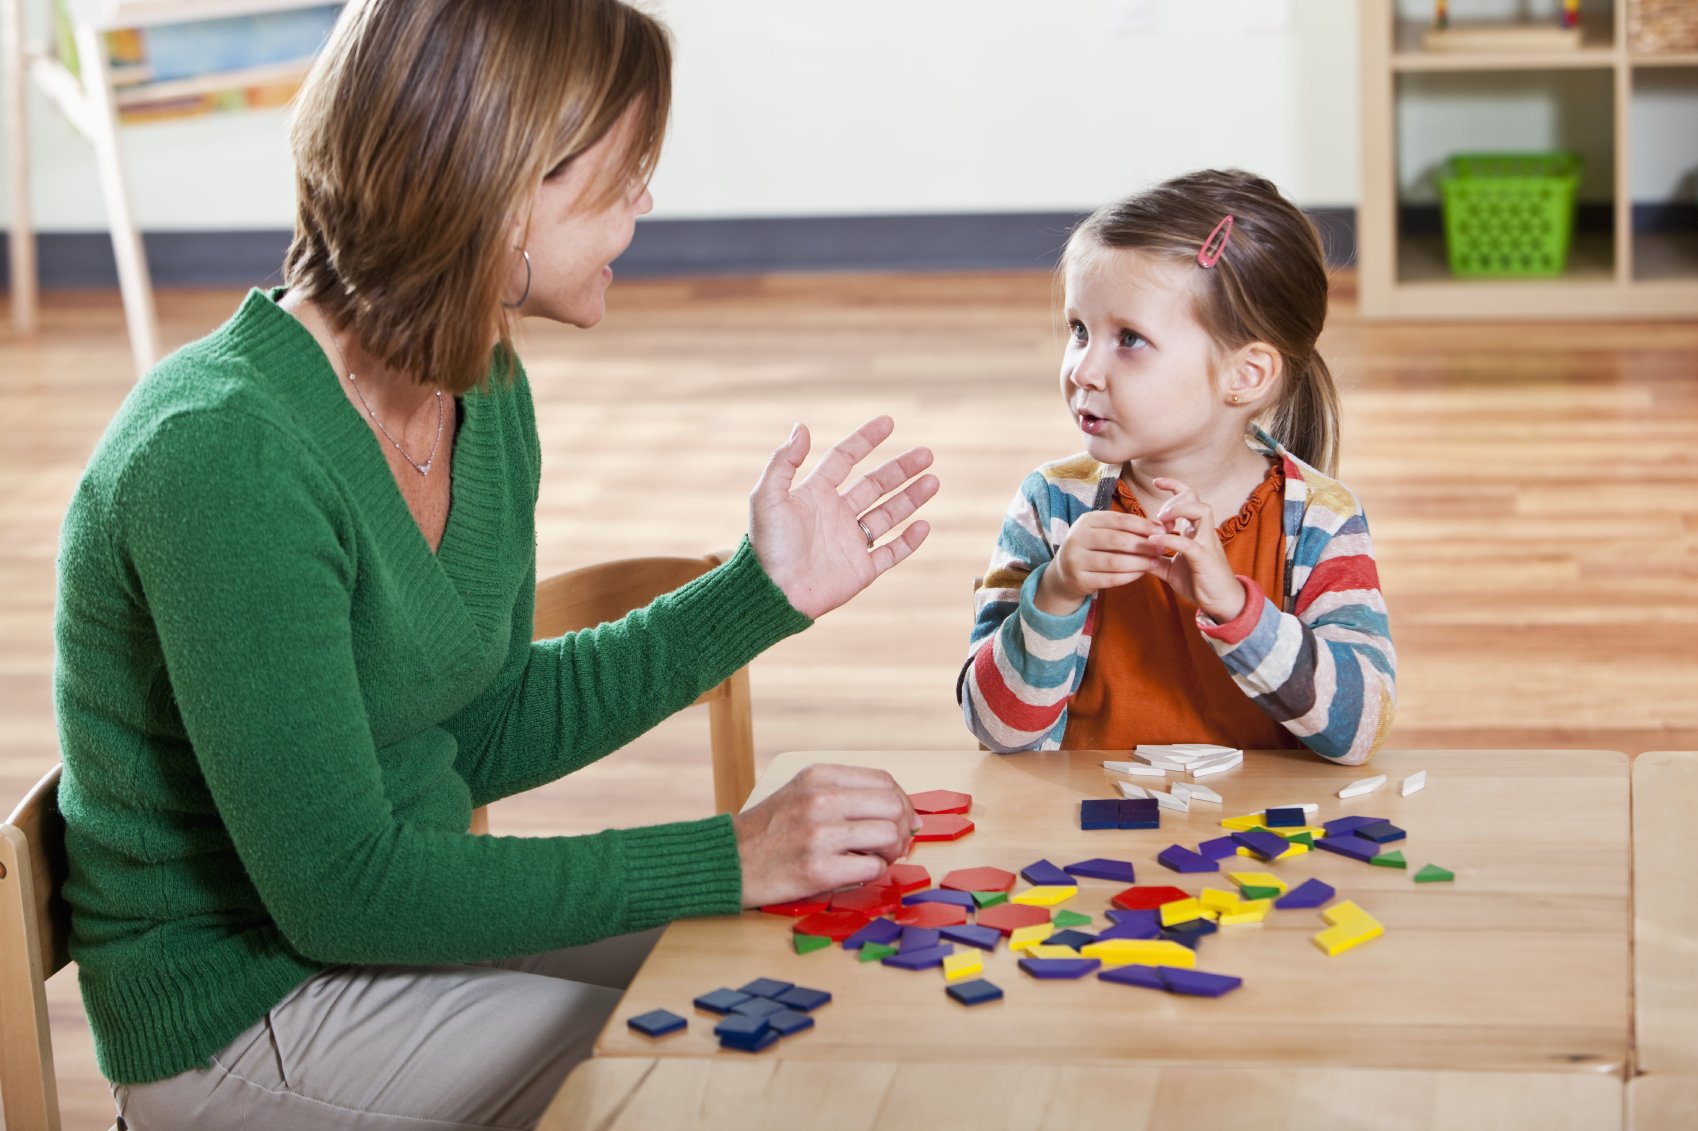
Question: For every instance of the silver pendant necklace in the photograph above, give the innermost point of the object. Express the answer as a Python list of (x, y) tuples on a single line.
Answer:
[(441, 416)]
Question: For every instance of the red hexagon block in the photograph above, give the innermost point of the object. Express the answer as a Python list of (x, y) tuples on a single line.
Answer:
[(943, 826), (931, 915), (978, 879), (833, 925), (908, 877), (941, 801), (1009, 917), (869, 899), (799, 907), (1143, 898)]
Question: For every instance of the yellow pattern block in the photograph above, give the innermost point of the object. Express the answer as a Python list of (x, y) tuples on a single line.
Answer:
[(1140, 952), (1024, 937), (1291, 850), (1214, 899), (1043, 950), (1179, 911), (1258, 880), (963, 965), (1045, 896), (1245, 823), (1351, 927), (1250, 911)]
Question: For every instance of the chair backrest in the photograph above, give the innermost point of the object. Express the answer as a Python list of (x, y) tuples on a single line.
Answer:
[(594, 594), (35, 932)]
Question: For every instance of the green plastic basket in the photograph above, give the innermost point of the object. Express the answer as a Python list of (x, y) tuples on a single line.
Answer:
[(1509, 215)]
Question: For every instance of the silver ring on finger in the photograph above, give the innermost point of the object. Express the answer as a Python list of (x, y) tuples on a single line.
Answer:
[(865, 533)]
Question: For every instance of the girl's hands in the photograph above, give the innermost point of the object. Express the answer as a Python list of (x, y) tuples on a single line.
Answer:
[(810, 541), (826, 828), (1197, 570), (1102, 550)]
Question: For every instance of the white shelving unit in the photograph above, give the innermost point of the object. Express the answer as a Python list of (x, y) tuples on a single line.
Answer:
[(1619, 275), (90, 102)]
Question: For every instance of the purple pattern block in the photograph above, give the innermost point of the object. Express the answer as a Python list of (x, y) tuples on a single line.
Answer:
[(1131, 929), (1344, 826), (1380, 832), (1182, 859), (1219, 848), (1197, 983), (1352, 846), (1059, 967), (1145, 976), (920, 959), (985, 938), (1309, 893), (941, 895), (1268, 846), (1120, 871), (1042, 873), (919, 938), (1139, 813), (878, 931)]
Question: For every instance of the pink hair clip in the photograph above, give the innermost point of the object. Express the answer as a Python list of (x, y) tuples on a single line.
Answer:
[(1207, 258)]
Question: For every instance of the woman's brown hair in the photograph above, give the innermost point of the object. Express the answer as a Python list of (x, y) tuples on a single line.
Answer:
[(1270, 285), (420, 138)]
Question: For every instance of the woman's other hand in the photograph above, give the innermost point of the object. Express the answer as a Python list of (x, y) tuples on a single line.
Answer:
[(811, 541), (826, 828)]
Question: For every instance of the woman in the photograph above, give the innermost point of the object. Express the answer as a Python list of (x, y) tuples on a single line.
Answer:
[(295, 600)]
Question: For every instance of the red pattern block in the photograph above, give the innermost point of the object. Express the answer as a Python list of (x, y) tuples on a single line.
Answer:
[(941, 801), (799, 907), (908, 877), (869, 899), (833, 925), (1145, 898), (931, 915), (1009, 917), (943, 826), (978, 879)]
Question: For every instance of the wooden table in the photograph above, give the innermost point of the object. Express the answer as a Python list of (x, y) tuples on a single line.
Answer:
[(762, 1094), (1654, 1103), (1522, 963), (1665, 855)]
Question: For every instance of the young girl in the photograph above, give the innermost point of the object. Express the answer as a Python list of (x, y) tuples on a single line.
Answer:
[(1196, 574)]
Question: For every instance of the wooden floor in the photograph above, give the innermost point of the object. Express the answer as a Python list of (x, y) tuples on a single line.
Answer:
[(1533, 493)]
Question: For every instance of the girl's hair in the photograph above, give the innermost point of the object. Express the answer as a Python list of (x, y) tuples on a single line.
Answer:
[(420, 138), (1270, 285)]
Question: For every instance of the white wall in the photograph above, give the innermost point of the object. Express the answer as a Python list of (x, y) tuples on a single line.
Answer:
[(884, 106), (796, 107)]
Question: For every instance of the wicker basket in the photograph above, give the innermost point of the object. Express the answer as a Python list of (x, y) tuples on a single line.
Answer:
[(1662, 25)]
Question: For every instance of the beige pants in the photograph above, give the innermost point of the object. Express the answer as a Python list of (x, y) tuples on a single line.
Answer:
[(400, 1048)]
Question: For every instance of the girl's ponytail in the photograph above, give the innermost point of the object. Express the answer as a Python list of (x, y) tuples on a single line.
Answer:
[(1306, 418)]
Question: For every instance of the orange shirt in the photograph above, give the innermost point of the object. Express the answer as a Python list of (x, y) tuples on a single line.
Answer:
[(1151, 676)]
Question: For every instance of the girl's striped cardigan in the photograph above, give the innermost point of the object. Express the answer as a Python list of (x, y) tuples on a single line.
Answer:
[(1320, 662)]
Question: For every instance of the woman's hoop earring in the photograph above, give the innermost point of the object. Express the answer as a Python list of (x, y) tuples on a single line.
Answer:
[(527, 294)]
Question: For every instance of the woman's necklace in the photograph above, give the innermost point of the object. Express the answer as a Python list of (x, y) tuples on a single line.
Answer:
[(441, 416)]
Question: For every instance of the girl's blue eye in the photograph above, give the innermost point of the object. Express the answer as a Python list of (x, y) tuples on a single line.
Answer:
[(1131, 339), (1077, 329)]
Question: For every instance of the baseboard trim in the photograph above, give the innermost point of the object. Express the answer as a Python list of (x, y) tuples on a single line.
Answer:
[(1001, 241)]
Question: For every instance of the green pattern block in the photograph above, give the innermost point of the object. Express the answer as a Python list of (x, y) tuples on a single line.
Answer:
[(806, 944), (1302, 838), (1070, 919), (873, 951), (1253, 891), (990, 898), (1391, 859), (1433, 874)]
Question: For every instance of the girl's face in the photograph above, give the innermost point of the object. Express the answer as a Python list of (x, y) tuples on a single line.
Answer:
[(572, 238), (1137, 371)]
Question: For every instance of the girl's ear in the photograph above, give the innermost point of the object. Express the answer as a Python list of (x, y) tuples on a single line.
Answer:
[(1252, 375)]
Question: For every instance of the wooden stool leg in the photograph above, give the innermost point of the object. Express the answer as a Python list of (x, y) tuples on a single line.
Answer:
[(21, 239), (126, 239)]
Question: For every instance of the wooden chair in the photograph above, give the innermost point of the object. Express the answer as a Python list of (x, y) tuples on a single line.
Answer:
[(35, 932), (593, 594)]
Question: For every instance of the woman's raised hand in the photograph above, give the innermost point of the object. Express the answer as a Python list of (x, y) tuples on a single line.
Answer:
[(826, 828), (810, 539)]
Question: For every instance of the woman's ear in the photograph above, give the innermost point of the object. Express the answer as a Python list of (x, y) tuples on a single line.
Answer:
[(1253, 373)]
